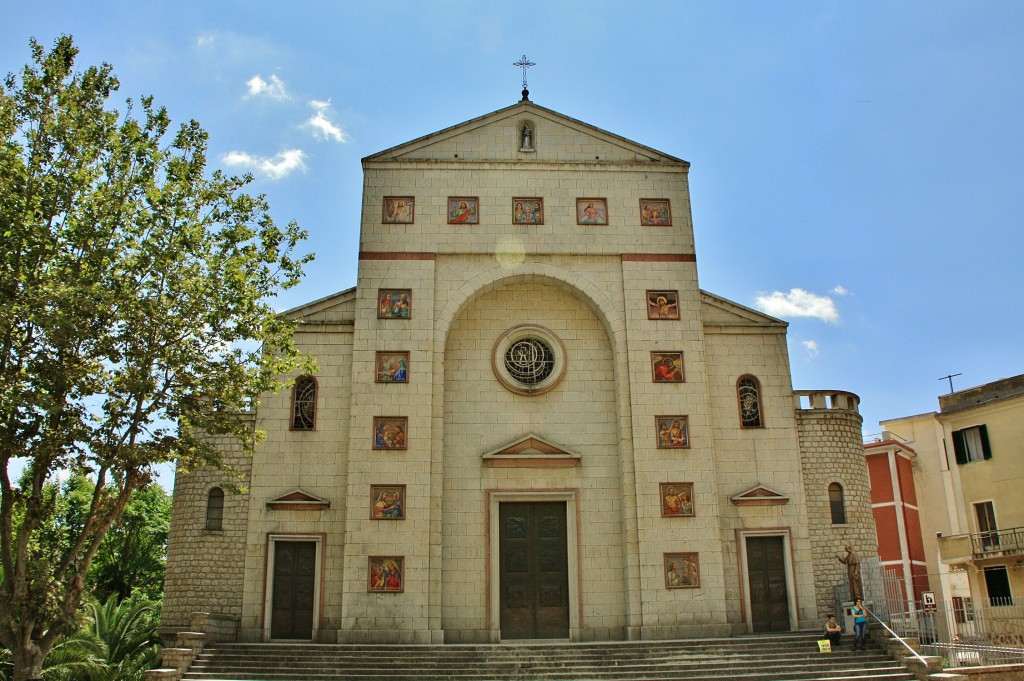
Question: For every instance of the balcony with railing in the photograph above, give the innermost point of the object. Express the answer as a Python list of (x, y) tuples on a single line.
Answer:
[(980, 545)]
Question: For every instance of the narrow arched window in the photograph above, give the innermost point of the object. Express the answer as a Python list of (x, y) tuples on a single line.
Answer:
[(304, 403), (215, 509), (748, 392), (837, 503)]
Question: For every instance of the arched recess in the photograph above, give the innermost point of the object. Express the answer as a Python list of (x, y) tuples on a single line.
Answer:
[(498, 276), (609, 315)]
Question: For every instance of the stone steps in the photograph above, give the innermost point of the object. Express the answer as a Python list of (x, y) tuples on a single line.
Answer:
[(754, 658)]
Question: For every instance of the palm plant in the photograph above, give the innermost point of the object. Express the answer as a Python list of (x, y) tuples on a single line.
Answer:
[(117, 642), (76, 657), (128, 633)]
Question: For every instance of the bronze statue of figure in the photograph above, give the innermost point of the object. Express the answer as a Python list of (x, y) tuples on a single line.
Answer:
[(853, 573)]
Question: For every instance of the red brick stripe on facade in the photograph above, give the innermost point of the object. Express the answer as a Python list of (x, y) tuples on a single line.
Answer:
[(659, 257), (395, 255)]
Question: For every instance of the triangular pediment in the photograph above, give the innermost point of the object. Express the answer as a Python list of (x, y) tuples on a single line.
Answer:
[(531, 451), (760, 495), (497, 137), (336, 308), (298, 500), (718, 311)]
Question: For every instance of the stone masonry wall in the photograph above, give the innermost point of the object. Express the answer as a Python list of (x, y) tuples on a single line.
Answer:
[(215, 555), (832, 451)]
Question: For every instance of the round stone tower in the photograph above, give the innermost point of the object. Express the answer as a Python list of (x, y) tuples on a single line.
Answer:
[(837, 487)]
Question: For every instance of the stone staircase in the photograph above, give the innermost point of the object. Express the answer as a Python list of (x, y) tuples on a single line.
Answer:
[(791, 657)]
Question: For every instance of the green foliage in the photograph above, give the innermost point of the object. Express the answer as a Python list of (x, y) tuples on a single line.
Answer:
[(117, 642), (127, 630), (135, 292), (79, 656), (132, 557)]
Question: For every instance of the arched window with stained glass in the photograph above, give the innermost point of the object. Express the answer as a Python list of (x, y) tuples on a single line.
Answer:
[(304, 396), (748, 394)]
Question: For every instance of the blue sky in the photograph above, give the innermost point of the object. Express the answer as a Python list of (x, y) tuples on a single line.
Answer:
[(856, 166)]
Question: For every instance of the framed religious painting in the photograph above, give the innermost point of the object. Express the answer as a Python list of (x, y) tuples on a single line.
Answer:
[(591, 212), (655, 213), (672, 432), (394, 303), (391, 367), (463, 210), (676, 499), (528, 211), (663, 305), (682, 571), (387, 502), (667, 367), (399, 210), (390, 432), (386, 574)]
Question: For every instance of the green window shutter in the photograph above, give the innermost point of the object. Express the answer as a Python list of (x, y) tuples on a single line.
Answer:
[(959, 448), (985, 449)]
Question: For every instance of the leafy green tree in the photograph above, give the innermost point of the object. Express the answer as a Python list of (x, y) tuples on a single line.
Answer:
[(135, 319), (132, 557)]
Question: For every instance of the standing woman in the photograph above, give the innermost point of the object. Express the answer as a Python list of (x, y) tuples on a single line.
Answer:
[(860, 624)]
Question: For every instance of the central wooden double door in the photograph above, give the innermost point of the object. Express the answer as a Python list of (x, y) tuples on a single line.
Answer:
[(534, 573)]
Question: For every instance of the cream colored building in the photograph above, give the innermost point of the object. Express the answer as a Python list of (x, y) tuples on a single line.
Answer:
[(970, 468), (529, 422)]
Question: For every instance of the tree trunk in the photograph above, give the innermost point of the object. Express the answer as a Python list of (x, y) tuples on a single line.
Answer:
[(28, 662)]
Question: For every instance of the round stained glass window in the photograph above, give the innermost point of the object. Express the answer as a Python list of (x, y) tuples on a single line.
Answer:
[(529, 360)]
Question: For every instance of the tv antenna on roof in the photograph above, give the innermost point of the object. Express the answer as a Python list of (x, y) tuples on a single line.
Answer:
[(950, 378)]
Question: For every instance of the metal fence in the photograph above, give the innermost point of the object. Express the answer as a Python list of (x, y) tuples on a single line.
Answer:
[(964, 631), (883, 589), (973, 655)]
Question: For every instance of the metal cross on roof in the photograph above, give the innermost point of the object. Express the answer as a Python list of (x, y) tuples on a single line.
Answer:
[(524, 63)]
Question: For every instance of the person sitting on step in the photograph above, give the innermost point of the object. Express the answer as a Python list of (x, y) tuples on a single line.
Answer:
[(833, 630)]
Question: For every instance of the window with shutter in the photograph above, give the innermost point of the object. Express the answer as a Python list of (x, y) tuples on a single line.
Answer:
[(971, 444)]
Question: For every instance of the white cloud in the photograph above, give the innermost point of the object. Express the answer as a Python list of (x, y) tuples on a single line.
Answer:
[(274, 168), (840, 290), (798, 303), (322, 127), (274, 89), (206, 39), (812, 347)]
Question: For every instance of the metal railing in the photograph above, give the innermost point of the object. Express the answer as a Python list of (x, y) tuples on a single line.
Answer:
[(959, 654), (964, 631), (899, 638), (997, 542)]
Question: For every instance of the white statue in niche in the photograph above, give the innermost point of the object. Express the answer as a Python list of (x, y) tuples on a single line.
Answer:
[(526, 138)]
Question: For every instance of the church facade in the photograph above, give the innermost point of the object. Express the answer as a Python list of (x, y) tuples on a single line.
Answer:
[(528, 422)]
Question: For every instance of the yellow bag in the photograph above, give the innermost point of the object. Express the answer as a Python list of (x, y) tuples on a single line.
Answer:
[(825, 645)]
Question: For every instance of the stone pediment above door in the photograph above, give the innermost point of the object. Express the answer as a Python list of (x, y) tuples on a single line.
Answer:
[(531, 451), (760, 496), (299, 500)]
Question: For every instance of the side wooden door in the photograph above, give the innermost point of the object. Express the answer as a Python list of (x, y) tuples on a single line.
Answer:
[(294, 590), (766, 572)]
